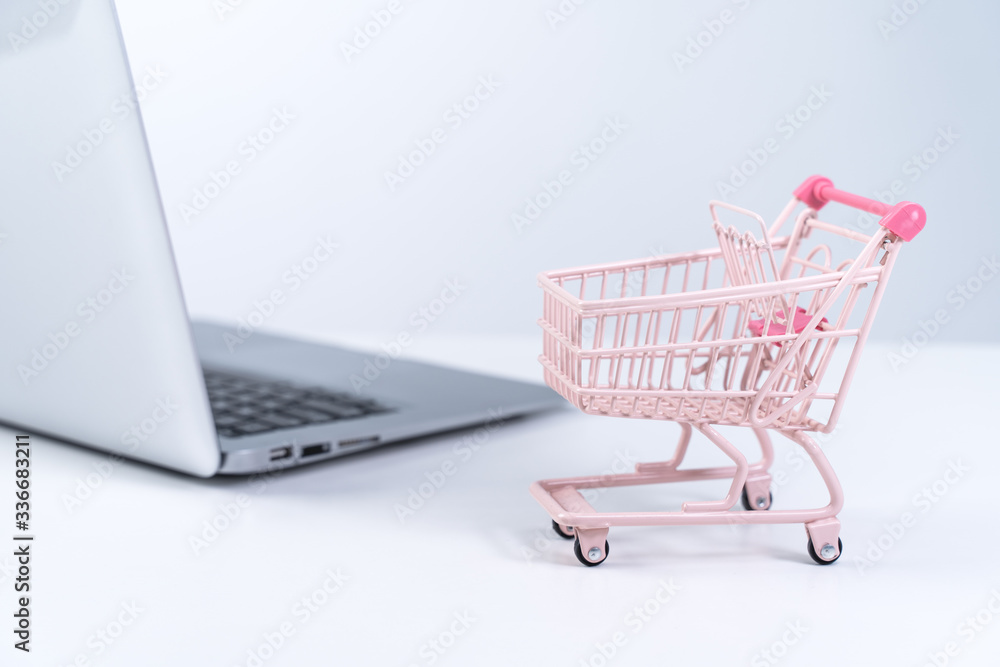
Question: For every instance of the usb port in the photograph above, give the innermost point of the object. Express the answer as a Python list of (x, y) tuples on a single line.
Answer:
[(357, 442), (279, 453), (315, 450)]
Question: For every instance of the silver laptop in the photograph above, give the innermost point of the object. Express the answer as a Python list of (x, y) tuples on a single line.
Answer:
[(95, 343)]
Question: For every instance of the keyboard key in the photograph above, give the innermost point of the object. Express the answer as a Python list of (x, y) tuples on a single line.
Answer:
[(310, 416), (248, 428), (227, 420), (286, 394), (371, 407), (279, 420)]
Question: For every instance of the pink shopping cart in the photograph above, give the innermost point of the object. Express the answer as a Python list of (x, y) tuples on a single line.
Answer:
[(738, 335)]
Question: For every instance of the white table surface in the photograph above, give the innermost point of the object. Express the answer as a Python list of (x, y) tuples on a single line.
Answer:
[(481, 548)]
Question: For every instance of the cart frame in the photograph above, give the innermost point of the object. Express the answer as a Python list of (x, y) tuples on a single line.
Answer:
[(776, 392)]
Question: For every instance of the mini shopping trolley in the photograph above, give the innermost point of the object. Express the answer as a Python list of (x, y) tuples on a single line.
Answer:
[(738, 335)]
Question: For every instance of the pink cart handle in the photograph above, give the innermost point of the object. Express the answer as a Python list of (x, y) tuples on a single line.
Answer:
[(904, 219)]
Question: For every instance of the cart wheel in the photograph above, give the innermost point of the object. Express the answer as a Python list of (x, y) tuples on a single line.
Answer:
[(747, 506), (565, 532), (819, 559), (589, 563)]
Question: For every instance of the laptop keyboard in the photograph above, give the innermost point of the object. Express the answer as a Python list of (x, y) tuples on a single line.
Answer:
[(250, 406)]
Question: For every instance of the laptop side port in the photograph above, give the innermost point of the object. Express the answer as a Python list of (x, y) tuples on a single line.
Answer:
[(358, 442), (315, 450), (279, 453)]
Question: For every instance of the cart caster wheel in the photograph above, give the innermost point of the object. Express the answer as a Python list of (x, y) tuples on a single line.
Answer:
[(589, 563), (565, 532), (759, 506), (819, 558)]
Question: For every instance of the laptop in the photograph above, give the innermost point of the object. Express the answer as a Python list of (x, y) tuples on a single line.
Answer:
[(97, 348)]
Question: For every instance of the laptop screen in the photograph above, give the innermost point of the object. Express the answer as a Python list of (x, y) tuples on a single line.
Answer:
[(96, 330)]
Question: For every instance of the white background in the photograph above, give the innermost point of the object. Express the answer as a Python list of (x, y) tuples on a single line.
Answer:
[(891, 92)]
